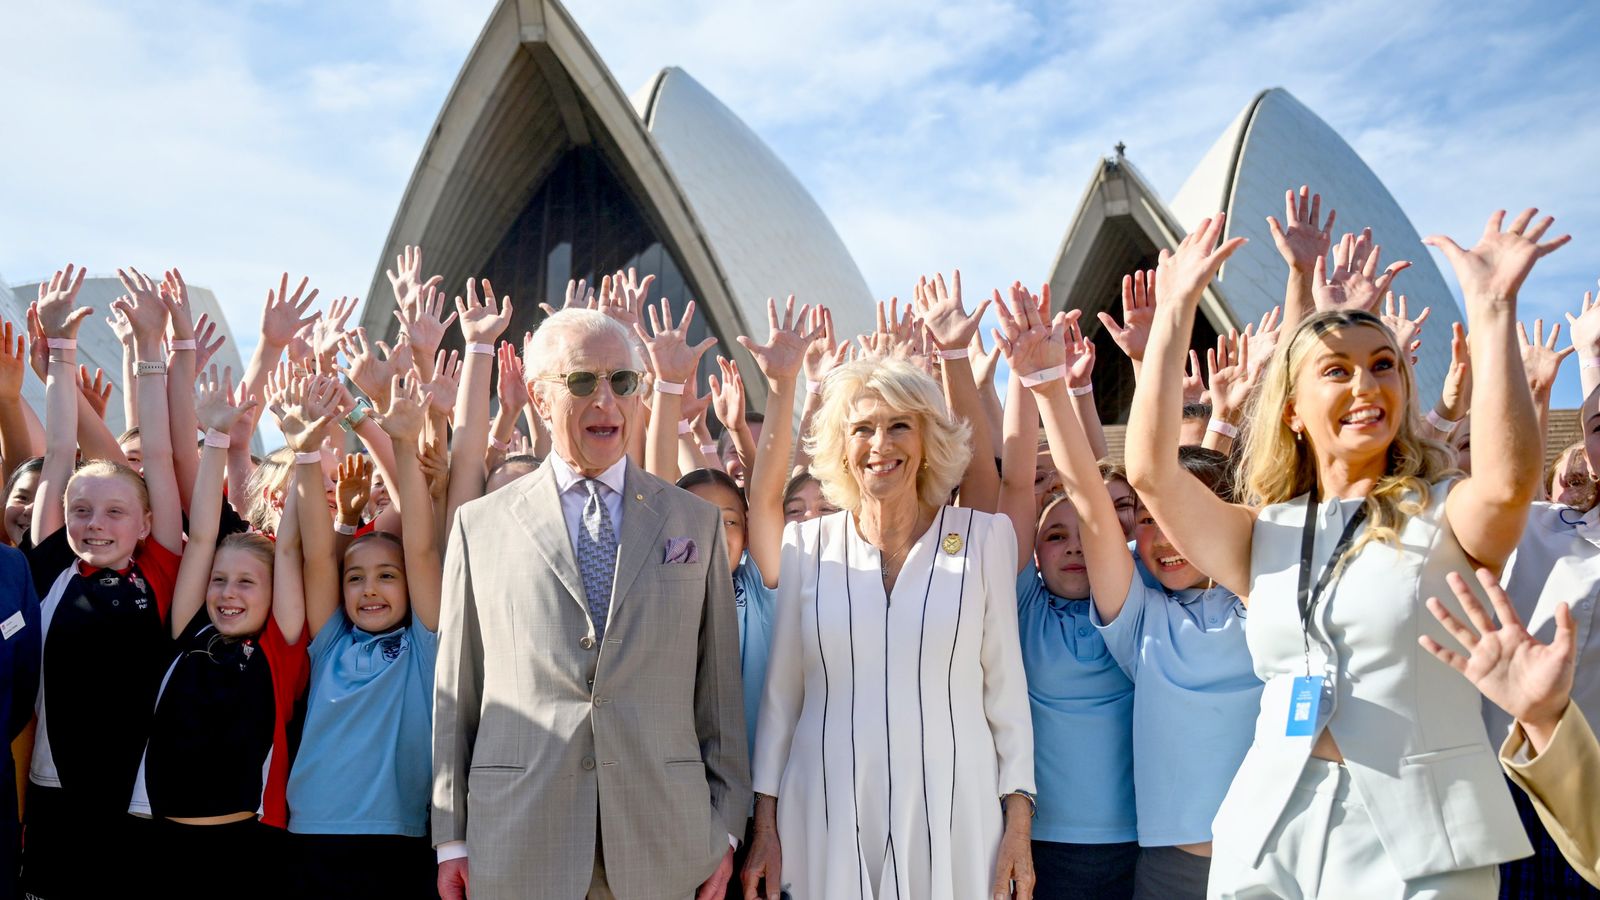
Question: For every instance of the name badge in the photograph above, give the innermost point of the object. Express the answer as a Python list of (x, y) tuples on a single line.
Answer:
[(1304, 699), (12, 625)]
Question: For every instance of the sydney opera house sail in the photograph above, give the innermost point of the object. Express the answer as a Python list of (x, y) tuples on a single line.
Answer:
[(1276, 143), (539, 169)]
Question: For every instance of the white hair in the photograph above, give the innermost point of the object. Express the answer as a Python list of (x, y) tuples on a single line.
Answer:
[(539, 353)]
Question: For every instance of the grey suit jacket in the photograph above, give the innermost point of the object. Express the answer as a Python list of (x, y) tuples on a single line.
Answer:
[(537, 729)]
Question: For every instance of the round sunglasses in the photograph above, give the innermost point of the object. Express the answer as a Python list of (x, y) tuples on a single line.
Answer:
[(624, 382)]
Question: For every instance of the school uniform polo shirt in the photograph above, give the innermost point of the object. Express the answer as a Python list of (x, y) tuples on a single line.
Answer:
[(1195, 701), (754, 602), (1082, 704)]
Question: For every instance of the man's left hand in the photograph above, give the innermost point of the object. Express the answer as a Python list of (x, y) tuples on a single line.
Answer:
[(716, 887)]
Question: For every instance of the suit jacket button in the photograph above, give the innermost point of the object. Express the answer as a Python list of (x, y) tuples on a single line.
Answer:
[(586, 642), (588, 763)]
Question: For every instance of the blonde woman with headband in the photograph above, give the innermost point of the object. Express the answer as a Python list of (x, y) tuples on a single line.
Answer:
[(1370, 774), (894, 751)]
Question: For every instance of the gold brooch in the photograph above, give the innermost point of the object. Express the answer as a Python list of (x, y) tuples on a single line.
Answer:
[(952, 543)]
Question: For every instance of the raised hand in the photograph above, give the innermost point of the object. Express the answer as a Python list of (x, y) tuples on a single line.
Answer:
[(671, 358), (435, 461), (96, 390), (1030, 340), (510, 386), (180, 314), (694, 405), (406, 277), (943, 313), (1456, 397), (1231, 376), (579, 296), (1354, 282), (441, 388), (303, 406), (1182, 276), (1264, 338), (1528, 679), (145, 308), (299, 350), (1585, 327), (984, 361), (402, 419), (13, 361), (353, 486), (328, 332), (1494, 269), (422, 325), (204, 346), (217, 405), (482, 322), (784, 353), (1080, 357), (1304, 241), (727, 395), (1194, 383), (57, 315), (1541, 361), (823, 354), (368, 370), (1138, 314), (624, 297), (1404, 327), (285, 313)]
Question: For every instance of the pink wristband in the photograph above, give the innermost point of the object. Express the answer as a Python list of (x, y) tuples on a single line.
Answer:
[(61, 343), (953, 354), (342, 528), (306, 459), (669, 387), (685, 427), (498, 444), (215, 438), (1444, 425), (1043, 376), (1225, 429), (1589, 362), (484, 349), (1081, 391), (177, 344), (814, 387)]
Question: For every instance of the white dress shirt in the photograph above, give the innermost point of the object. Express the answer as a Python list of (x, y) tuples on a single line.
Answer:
[(569, 484)]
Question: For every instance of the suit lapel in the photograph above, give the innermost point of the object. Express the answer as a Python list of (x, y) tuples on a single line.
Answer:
[(643, 518), (536, 499)]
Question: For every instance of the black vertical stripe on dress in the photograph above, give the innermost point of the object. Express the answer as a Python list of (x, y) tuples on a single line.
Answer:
[(816, 585), (966, 547), (855, 799), (922, 718)]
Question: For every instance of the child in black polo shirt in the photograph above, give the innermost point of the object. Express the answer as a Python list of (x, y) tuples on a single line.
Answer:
[(110, 540)]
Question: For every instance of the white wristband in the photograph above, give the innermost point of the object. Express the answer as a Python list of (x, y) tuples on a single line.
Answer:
[(484, 349), (177, 344), (813, 387), (1440, 422), (1044, 376), (305, 459), (61, 343), (215, 438), (342, 528), (669, 387), (1589, 362), (709, 450), (1225, 429), (1081, 391), (953, 354), (685, 427)]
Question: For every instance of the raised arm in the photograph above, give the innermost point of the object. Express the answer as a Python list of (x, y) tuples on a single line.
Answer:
[(217, 410), (16, 437), (402, 421), (1080, 381), (147, 312), (1456, 394), (823, 355), (1300, 244), (56, 318), (1488, 509), (1585, 331), (482, 323), (951, 328), (291, 401), (282, 317), (779, 359), (181, 381), (1541, 363), (1213, 534), (674, 363), (1138, 315), (1019, 463), (1036, 347), (1354, 282), (1232, 375)]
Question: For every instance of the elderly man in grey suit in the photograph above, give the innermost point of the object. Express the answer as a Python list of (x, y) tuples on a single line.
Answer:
[(588, 724)]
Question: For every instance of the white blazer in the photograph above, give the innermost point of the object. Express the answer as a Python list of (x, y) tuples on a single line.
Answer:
[(1408, 726)]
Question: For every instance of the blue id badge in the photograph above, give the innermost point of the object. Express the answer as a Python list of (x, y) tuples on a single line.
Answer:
[(1304, 698)]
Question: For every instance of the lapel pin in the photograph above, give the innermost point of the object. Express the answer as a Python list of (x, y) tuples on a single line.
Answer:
[(952, 543), (638, 496)]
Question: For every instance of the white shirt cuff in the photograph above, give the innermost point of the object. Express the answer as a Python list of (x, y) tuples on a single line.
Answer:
[(733, 842), (451, 850)]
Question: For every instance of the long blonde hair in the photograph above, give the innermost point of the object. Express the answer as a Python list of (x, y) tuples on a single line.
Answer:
[(1277, 468), (946, 441)]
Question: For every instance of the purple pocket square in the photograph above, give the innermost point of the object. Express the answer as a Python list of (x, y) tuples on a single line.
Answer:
[(680, 550)]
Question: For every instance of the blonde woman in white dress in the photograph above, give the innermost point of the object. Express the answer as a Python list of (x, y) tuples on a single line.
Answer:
[(894, 750)]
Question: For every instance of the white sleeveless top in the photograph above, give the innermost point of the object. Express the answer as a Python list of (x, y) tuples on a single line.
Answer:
[(1408, 725)]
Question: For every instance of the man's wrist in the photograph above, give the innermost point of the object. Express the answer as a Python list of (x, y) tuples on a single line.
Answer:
[(451, 850)]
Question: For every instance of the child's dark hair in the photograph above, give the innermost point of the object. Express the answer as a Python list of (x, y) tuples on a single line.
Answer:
[(520, 459), (1213, 469), (797, 484), (1192, 411), (725, 439), (34, 465), (700, 477), (375, 535)]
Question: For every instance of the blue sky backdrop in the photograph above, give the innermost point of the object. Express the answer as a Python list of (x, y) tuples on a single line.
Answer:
[(240, 139)]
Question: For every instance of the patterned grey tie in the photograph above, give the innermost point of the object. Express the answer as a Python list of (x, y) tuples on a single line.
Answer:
[(597, 555)]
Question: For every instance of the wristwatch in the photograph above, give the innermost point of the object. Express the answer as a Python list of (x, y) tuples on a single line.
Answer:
[(356, 416)]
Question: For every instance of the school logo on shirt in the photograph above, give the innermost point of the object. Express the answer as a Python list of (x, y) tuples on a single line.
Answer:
[(393, 647), (738, 594)]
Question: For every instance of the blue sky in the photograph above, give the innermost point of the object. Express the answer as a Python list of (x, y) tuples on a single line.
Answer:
[(241, 139)]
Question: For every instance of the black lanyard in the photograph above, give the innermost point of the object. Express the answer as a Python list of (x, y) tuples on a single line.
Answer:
[(1308, 595)]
